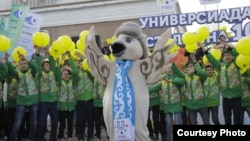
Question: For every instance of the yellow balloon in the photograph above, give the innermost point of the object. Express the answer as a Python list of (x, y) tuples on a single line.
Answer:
[(174, 48), (242, 46), (191, 48), (4, 43), (67, 41), (41, 39), (83, 35), (61, 60), (106, 57), (109, 41), (242, 71), (16, 51), (80, 45), (205, 60), (242, 61), (85, 65), (57, 47), (202, 33), (112, 57), (216, 53), (72, 47), (53, 54), (189, 38)]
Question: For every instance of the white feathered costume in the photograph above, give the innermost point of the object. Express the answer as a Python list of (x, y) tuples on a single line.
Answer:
[(126, 99)]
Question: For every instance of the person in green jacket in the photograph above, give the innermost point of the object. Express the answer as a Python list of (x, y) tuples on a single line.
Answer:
[(27, 95), (98, 108), (67, 98), (212, 93), (230, 83), (84, 97), (48, 96), (194, 93), (171, 97), (245, 99)]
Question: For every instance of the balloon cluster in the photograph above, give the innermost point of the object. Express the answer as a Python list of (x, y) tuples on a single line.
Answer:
[(191, 39), (64, 43), (5, 44), (110, 40), (243, 59)]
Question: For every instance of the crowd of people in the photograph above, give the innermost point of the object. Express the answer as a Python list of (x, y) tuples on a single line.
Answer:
[(200, 88), (37, 88)]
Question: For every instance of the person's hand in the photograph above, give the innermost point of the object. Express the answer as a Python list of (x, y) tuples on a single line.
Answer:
[(20, 55), (168, 81), (200, 44), (78, 54), (66, 68), (6, 56), (37, 49)]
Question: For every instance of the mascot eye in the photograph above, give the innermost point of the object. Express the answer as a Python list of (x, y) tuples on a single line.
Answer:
[(128, 39)]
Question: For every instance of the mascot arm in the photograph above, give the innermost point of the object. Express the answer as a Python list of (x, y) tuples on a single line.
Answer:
[(99, 67), (154, 66)]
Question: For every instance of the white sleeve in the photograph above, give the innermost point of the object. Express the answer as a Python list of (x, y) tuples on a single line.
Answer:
[(5, 87)]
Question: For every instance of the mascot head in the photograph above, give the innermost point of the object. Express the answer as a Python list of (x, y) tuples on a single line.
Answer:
[(130, 43)]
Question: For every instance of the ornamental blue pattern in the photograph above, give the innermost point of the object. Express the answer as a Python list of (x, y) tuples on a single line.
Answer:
[(123, 93)]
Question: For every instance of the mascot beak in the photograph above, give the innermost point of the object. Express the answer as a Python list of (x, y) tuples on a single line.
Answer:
[(118, 48)]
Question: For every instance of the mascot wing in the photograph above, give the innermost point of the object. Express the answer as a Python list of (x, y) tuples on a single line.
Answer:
[(99, 67), (155, 65)]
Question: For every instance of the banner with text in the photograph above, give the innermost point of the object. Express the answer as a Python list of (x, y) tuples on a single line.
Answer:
[(32, 24), (237, 16)]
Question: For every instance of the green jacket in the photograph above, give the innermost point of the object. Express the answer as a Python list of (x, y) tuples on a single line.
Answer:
[(171, 96), (212, 90), (154, 95), (27, 94), (11, 92), (47, 81), (98, 93), (194, 92), (85, 86), (67, 97), (230, 78)]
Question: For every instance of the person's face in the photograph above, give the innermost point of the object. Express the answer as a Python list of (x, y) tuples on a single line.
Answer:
[(65, 75), (46, 66), (23, 65), (190, 68), (210, 71), (227, 57), (222, 39)]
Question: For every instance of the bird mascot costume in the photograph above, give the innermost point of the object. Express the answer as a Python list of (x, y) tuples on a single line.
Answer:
[(126, 98)]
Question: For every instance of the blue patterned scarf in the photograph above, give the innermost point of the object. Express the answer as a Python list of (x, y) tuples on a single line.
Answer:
[(123, 99)]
